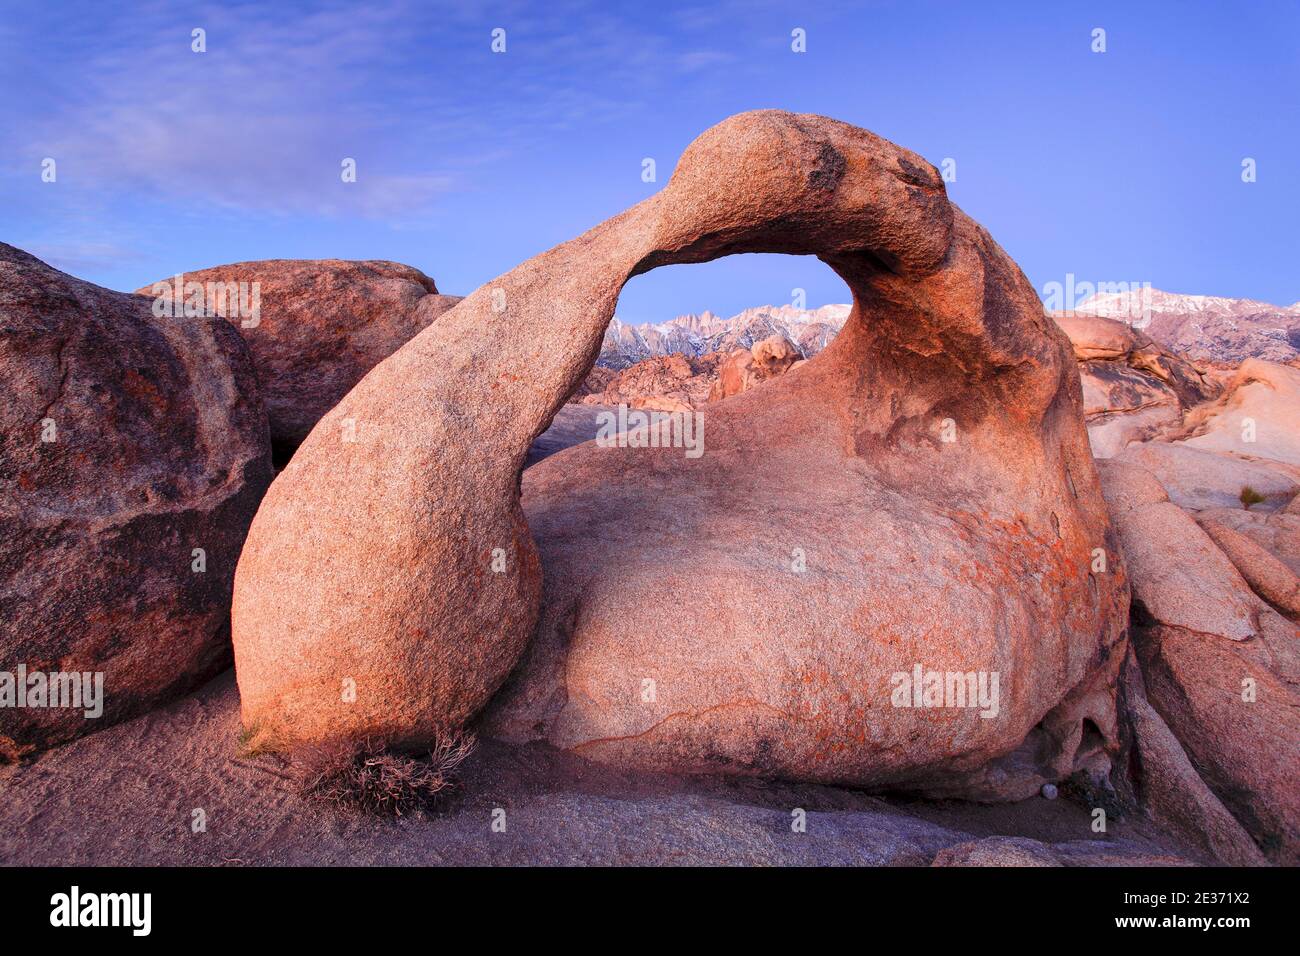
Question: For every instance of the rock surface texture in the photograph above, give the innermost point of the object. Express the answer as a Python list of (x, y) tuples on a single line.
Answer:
[(1198, 478), (133, 453), (745, 368), (1221, 666), (321, 325), (1171, 790), (1133, 388), (1258, 416), (674, 382), (920, 493)]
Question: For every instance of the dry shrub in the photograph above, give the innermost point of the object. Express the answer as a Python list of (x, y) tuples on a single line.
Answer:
[(367, 775)]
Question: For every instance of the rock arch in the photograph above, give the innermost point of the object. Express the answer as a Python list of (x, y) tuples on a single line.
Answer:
[(370, 560)]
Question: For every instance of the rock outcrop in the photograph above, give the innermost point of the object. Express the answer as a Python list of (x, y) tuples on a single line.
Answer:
[(1197, 478), (321, 324), (1257, 417), (1133, 388), (133, 453), (1277, 532), (1171, 792), (1221, 667), (1266, 573), (745, 368), (680, 382), (673, 382)]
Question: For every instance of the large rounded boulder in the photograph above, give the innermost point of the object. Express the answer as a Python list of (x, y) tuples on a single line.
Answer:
[(314, 326), (890, 567), (133, 453)]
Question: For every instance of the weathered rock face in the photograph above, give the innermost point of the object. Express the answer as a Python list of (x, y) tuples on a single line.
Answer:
[(1172, 792), (133, 453), (1221, 667), (1133, 388), (1197, 478), (1266, 573), (1258, 416), (321, 324), (1278, 532), (680, 382), (1247, 752), (670, 383), (773, 624), (1123, 405), (745, 368)]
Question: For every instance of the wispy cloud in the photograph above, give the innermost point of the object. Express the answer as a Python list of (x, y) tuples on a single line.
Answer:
[(261, 122)]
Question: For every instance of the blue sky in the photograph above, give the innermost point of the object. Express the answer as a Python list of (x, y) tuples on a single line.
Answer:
[(1115, 166)]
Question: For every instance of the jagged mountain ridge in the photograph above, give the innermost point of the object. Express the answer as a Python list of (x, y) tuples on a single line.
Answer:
[(1201, 327), (1205, 327), (697, 334)]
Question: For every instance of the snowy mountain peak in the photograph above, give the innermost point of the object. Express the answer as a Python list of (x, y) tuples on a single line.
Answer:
[(1206, 327), (695, 334)]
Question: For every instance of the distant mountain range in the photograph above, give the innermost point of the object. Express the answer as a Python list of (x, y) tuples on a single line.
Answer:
[(808, 329), (1205, 327), (1200, 327)]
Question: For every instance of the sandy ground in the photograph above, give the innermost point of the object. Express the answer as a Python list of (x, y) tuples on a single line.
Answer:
[(127, 795)]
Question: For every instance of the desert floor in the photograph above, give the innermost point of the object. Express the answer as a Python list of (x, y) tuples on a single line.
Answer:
[(126, 795)]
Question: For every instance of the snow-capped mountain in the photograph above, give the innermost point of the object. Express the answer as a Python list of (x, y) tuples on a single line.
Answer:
[(1205, 326), (809, 329)]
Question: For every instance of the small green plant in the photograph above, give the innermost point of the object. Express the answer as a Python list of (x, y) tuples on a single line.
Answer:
[(1249, 496)]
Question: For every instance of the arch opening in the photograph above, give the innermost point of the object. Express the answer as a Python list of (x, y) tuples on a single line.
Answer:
[(696, 334)]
